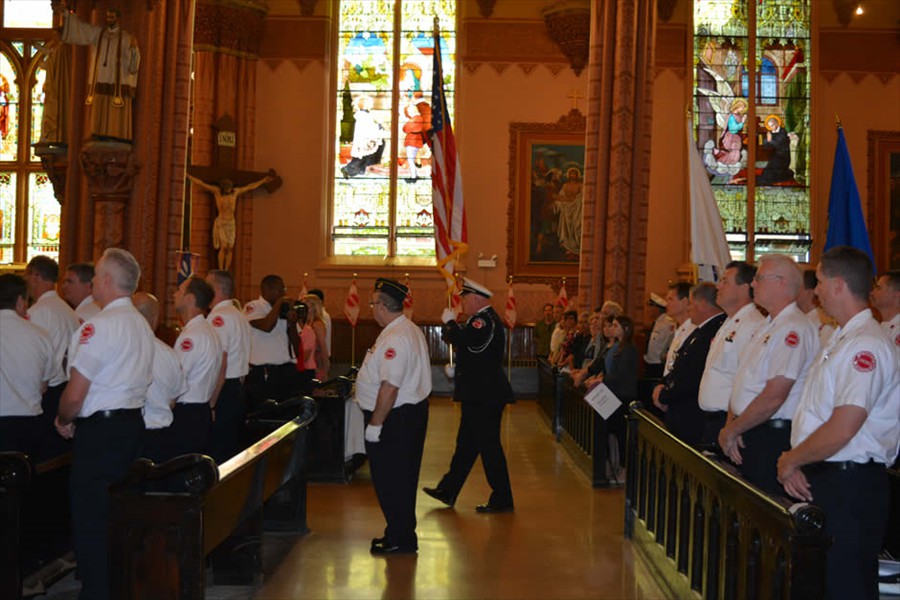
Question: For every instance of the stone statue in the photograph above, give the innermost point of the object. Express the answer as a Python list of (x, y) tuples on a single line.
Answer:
[(226, 200)]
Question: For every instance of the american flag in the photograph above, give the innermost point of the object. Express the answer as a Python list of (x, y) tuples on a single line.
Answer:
[(351, 305), (449, 211)]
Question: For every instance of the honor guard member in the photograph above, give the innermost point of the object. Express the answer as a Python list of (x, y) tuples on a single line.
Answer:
[(678, 301), (234, 336), (734, 295), (480, 385), (110, 366), (200, 355), (769, 381), (273, 345), (392, 388), (78, 289), (26, 356), (886, 298), (166, 386), (660, 339), (53, 315), (847, 428)]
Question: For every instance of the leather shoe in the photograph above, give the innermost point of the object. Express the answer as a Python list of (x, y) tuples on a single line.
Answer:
[(386, 547), (487, 507), (378, 541), (442, 495)]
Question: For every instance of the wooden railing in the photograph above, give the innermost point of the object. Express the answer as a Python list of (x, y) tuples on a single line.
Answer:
[(706, 533)]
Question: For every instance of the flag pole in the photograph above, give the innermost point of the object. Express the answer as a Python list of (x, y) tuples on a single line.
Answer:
[(509, 344), (353, 338)]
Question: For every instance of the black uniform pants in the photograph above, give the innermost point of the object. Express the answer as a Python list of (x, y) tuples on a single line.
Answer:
[(762, 446), (103, 450), (227, 436), (190, 427), (479, 434), (395, 462), (275, 382), (53, 444), (856, 504)]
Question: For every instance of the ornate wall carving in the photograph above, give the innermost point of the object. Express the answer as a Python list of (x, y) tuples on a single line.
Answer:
[(229, 27)]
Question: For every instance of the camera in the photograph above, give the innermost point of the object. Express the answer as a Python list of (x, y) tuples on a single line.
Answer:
[(297, 306)]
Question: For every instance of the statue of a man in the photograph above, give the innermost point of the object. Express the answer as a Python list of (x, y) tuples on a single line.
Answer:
[(112, 79), (226, 200)]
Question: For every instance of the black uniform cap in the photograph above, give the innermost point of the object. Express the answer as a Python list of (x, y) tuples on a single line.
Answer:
[(394, 289)]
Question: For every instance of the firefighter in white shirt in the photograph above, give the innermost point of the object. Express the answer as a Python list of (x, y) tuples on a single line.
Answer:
[(678, 300), (77, 289), (886, 298)]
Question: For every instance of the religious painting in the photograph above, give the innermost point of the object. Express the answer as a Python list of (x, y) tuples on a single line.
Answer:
[(883, 206), (546, 187)]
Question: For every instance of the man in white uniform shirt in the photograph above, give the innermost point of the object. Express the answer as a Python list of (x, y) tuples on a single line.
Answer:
[(25, 368), (734, 295), (234, 336), (78, 289), (392, 388), (273, 345), (886, 298), (770, 378), (167, 385), (678, 301), (110, 367), (660, 339), (200, 355), (847, 428), (807, 303), (53, 315)]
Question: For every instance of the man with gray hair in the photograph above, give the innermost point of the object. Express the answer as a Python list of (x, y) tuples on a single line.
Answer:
[(110, 368), (769, 381)]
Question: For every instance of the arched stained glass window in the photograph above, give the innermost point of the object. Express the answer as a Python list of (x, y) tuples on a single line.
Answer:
[(755, 140), (29, 211), (382, 196)]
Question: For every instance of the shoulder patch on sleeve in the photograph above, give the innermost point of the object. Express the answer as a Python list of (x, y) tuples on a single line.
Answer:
[(478, 323), (390, 353), (864, 361), (87, 332), (218, 321), (187, 345), (897, 340), (791, 339), (247, 308)]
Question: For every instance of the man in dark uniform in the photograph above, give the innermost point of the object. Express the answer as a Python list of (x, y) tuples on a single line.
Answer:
[(482, 388)]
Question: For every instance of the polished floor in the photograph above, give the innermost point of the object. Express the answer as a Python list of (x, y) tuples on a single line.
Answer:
[(564, 540)]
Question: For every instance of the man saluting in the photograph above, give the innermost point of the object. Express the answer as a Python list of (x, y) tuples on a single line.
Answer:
[(483, 390)]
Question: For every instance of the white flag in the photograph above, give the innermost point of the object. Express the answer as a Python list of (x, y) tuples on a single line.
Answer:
[(709, 249)]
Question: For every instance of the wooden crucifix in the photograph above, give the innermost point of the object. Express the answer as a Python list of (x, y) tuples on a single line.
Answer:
[(226, 183)]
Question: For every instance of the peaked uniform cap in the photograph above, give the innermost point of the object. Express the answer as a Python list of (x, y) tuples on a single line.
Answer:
[(472, 287), (394, 289), (657, 300)]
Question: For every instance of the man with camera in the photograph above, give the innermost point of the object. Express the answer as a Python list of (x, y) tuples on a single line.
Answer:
[(273, 343)]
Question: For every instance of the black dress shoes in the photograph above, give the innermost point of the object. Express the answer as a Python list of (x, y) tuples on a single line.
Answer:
[(442, 495), (487, 507), (381, 546)]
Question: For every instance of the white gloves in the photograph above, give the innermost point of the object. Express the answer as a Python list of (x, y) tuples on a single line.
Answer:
[(448, 315), (373, 433)]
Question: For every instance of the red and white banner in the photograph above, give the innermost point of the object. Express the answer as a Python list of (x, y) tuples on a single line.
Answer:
[(563, 298), (351, 305), (408, 303), (511, 313)]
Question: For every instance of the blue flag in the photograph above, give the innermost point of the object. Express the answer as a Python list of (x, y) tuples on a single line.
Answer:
[(846, 226), (185, 267)]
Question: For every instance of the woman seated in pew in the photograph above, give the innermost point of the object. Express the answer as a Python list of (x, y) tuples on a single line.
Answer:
[(573, 348), (598, 364)]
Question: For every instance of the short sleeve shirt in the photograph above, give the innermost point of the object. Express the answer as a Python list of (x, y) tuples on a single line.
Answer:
[(114, 351), (681, 334), (856, 368), (399, 357), (892, 329), (200, 355), (234, 336), (782, 347), (26, 355), (87, 309), (722, 360), (267, 347), (660, 339), (57, 318), (167, 385)]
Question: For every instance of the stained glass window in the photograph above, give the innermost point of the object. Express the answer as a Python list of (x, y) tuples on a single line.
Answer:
[(382, 165), (755, 139), (27, 14)]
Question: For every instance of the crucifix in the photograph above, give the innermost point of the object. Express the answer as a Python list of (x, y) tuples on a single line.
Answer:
[(575, 96), (226, 183)]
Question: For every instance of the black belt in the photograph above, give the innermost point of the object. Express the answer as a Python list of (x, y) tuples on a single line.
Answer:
[(778, 424), (844, 465), (115, 413)]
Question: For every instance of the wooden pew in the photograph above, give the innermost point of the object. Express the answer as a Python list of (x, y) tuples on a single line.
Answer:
[(165, 519), (35, 523), (325, 451), (708, 534)]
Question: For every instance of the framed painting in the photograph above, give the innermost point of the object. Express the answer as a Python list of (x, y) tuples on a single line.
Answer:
[(546, 183), (883, 206)]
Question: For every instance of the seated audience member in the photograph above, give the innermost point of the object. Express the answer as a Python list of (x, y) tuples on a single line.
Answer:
[(676, 396), (610, 308), (26, 365), (200, 355), (770, 378), (846, 429), (78, 290), (591, 351), (573, 350), (678, 301), (660, 338), (886, 298), (598, 365), (543, 329), (166, 386), (734, 295), (314, 317), (559, 333)]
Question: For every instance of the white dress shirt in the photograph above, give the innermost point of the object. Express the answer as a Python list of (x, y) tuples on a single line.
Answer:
[(399, 357), (26, 364), (722, 360), (267, 347), (200, 355), (53, 315), (167, 385), (234, 336), (87, 309), (681, 334)]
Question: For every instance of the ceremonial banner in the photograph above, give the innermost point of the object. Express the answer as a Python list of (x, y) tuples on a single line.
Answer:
[(351, 305), (846, 226), (511, 313), (709, 249), (563, 298), (185, 267)]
